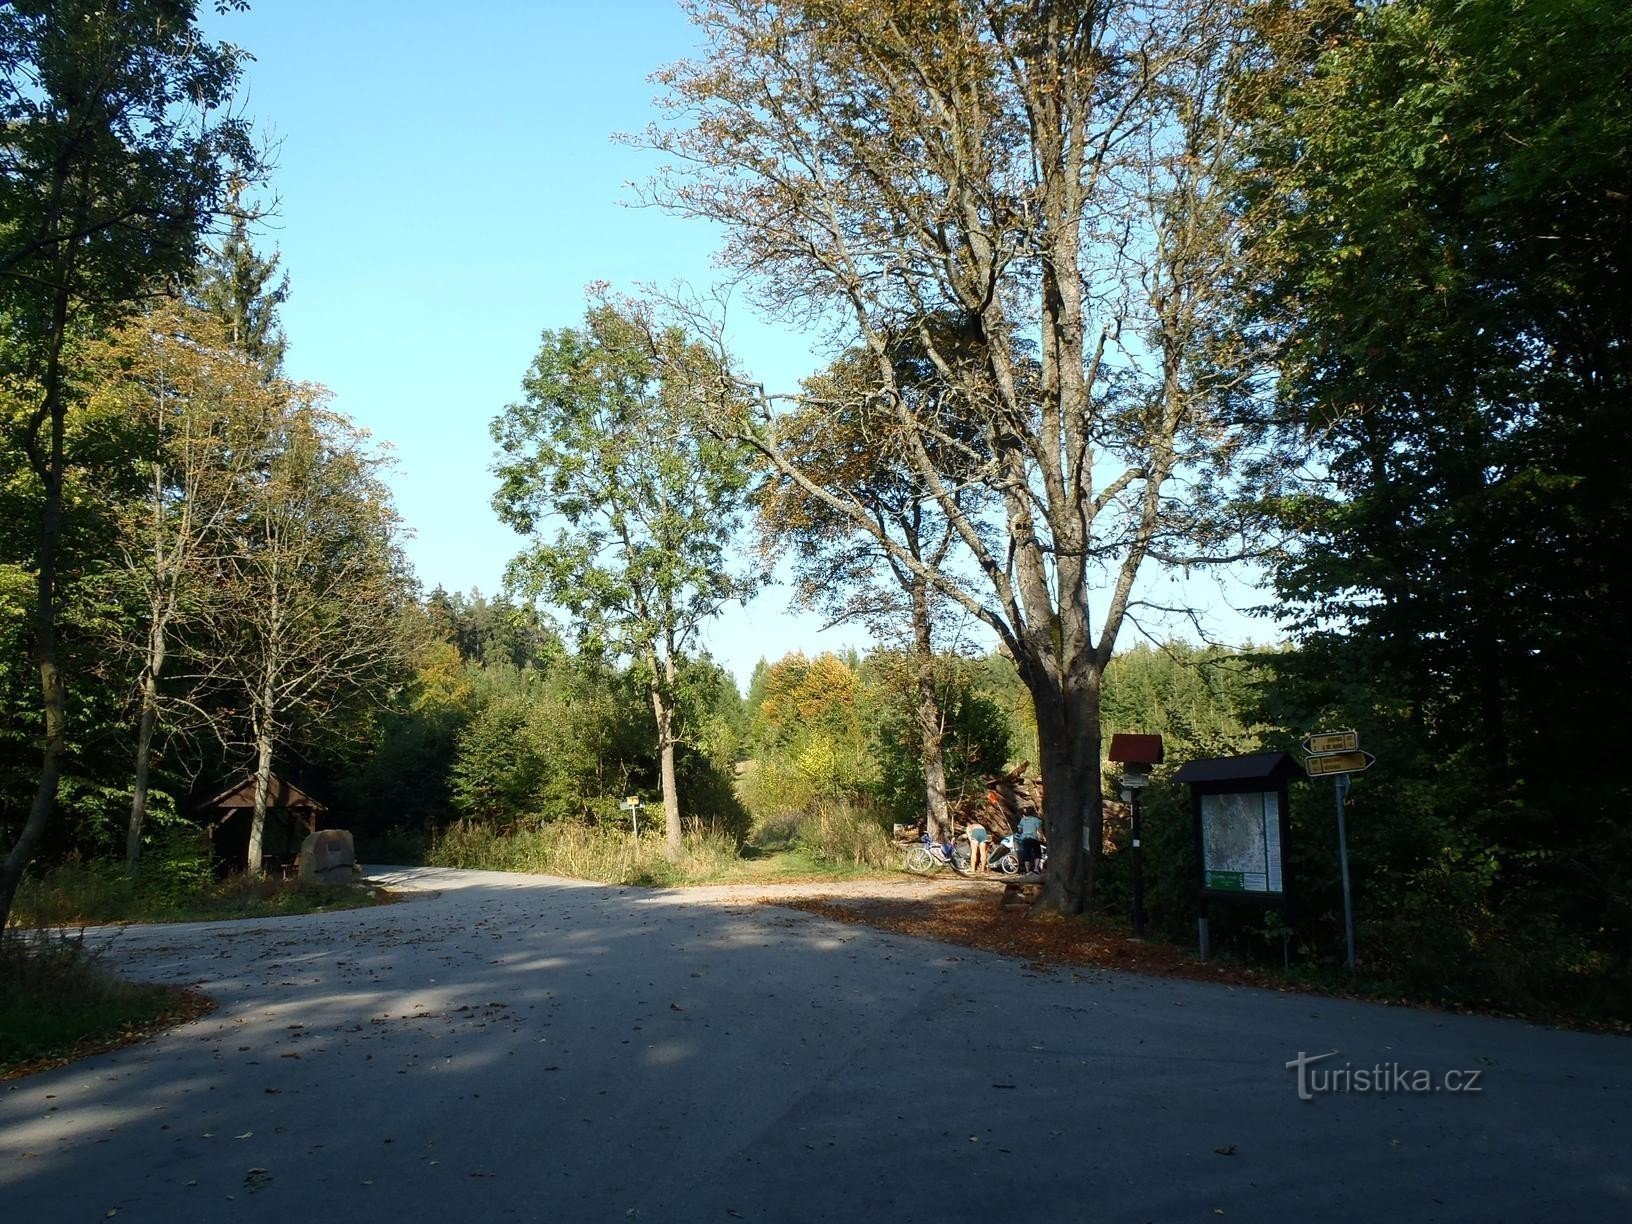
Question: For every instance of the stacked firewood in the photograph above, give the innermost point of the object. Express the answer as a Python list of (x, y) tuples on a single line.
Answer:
[(1007, 797)]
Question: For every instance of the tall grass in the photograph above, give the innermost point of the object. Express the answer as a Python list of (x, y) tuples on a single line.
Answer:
[(842, 834), (56, 999), (790, 812), (585, 853), (80, 893)]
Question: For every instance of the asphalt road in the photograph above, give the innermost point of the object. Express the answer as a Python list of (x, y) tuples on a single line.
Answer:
[(538, 1049)]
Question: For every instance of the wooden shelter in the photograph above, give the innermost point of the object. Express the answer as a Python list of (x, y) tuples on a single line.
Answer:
[(291, 814)]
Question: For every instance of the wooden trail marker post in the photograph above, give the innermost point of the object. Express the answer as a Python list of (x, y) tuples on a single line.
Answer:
[(632, 806), (1138, 755)]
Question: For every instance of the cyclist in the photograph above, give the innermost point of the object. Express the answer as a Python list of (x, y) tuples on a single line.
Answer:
[(979, 846), (1030, 836)]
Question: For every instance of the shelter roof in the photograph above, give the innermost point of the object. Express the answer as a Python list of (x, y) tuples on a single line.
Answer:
[(279, 794)]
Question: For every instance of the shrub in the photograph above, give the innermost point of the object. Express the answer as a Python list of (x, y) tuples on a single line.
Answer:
[(583, 852), (54, 995), (842, 833)]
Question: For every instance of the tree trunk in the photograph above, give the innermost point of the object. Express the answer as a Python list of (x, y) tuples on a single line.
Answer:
[(664, 716), (53, 689), (263, 780), (144, 749), (931, 720), (11, 875), (1068, 743)]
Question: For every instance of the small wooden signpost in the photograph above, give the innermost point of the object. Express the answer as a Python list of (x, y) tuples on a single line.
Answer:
[(632, 806), (1138, 755)]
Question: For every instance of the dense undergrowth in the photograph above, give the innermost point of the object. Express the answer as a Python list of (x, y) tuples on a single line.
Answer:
[(831, 840), (58, 1001), (97, 892)]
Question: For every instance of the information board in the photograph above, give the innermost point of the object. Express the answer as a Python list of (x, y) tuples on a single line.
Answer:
[(1241, 842)]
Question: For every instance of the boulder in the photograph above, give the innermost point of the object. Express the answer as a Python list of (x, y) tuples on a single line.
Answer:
[(328, 857)]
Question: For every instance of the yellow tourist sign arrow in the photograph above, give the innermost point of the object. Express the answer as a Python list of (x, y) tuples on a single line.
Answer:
[(1328, 763)]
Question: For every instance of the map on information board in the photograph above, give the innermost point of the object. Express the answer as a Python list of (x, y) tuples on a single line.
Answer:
[(1241, 842)]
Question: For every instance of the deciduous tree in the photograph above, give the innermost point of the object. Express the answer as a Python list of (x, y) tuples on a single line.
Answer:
[(113, 137), (200, 409), (843, 438), (307, 620), (631, 505), (1043, 173)]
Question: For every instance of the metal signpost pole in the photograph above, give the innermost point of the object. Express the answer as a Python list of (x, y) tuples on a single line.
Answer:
[(1134, 781), (1138, 876), (1341, 782)]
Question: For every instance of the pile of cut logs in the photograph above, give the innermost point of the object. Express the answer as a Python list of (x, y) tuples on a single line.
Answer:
[(1008, 797)]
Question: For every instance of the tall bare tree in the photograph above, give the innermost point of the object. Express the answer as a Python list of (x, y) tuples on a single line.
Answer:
[(200, 407), (1046, 172), (307, 620)]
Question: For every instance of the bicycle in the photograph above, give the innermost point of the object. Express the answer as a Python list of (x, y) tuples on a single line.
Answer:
[(928, 856), (1009, 863)]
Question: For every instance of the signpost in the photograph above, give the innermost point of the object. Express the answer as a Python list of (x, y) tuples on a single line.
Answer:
[(1326, 764), (1331, 741), (632, 806), (1336, 755), (1138, 755)]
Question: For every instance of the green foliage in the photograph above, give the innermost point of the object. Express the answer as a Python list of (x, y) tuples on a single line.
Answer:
[(608, 446), (609, 449), (177, 888), (842, 834), (976, 732), (492, 631), (178, 866), (585, 853), (118, 124), (243, 290), (501, 765), (1196, 698), (838, 756), (56, 996), (1437, 205)]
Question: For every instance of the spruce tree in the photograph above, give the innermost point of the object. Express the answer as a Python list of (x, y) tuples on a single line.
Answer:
[(245, 291)]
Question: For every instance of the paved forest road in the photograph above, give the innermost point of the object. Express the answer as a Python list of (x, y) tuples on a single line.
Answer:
[(537, 1049)]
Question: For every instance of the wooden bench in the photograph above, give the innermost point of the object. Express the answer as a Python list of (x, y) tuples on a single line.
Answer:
[(1018, 890)]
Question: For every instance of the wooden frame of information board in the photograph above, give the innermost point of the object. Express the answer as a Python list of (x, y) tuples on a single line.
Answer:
[(1264, 777)]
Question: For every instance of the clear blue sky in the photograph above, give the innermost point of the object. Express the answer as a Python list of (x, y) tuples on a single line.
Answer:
[(448, 184)]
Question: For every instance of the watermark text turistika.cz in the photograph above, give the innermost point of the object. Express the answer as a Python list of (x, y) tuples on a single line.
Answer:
[(1315, 1079)]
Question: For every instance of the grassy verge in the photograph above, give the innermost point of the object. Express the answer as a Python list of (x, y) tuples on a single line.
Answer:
[(57, 1003), (604, 855), (99, 893), (825, 846)]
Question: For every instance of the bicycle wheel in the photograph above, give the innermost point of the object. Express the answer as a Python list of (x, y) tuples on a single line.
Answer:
[(1010, 863), (920, 861)]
